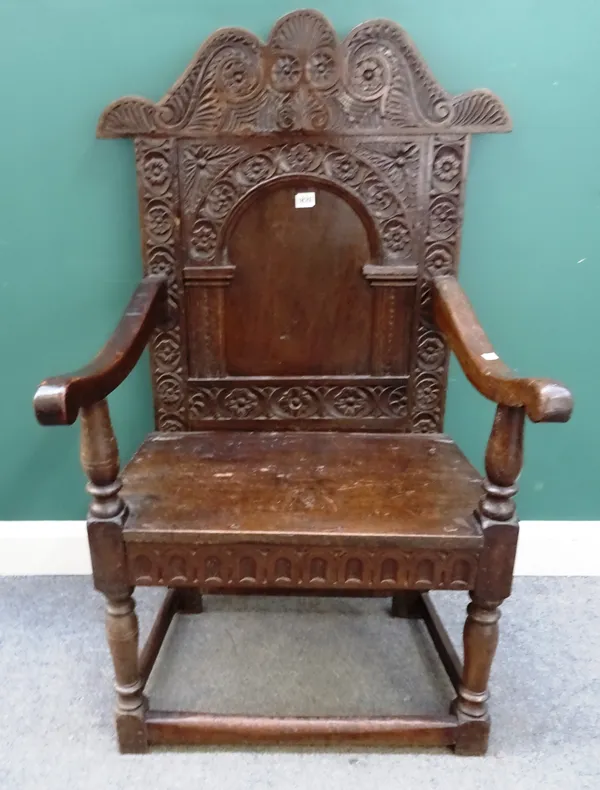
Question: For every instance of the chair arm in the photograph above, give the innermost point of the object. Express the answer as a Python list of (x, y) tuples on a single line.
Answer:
[(59, 399), (544, 400)]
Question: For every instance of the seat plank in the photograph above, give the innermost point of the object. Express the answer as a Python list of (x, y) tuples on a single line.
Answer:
[(298, 488)]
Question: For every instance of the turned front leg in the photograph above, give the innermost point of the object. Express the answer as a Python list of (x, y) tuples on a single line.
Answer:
[(497, 516), (122, 635), (480, 641), (106, 516)]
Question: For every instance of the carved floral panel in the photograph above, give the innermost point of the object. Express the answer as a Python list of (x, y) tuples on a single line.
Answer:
[(304, 78), (365, 115)]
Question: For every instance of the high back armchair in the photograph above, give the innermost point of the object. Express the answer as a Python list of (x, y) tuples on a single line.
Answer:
[(300, 212)]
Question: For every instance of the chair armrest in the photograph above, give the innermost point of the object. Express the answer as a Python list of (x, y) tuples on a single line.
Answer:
[(544, 400), (59, 399)]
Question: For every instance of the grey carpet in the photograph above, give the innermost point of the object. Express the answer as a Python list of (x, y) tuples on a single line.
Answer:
[(319, 656)]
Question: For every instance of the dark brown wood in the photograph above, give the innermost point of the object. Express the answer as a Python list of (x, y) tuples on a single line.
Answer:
[(189, 600), (173, 729), (301, 205), (283, 334), (59, 399), (158, 632), (106, 515), (407, 605), (544, 400), (107, 511), (497, 515), (289, 316), (307, 488), (122, 635), (441, 640)]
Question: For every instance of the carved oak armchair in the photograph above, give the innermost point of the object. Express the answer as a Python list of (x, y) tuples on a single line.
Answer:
[(301, 205)]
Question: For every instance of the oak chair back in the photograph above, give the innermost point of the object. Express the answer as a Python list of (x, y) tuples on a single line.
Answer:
[(299, 195)]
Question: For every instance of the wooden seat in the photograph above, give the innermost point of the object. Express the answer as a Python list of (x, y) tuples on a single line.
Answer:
[(300, 209), (318, 509)]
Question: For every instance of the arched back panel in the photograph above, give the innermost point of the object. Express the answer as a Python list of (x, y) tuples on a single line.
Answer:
[(284, 314)]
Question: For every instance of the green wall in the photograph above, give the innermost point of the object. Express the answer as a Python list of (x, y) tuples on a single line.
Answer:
[(69, 244)]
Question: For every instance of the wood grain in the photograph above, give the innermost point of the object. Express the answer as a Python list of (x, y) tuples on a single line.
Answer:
[(59, 399), (193, 728), (543, 399), (312, 489)]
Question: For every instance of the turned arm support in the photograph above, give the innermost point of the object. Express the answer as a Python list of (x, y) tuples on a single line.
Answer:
[(58, 400), (544, 400)]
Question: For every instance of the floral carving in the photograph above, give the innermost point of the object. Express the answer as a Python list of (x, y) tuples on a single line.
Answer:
[(325, 401), (204, 238), (443, 218), (161, 262), (166, 351), (376, 195), (168, 388), (286, 72), (321, 69), (343, 166), (242, 403), (220, 199), (296, 402), (238, 76), (256, 169), (431, 351), (201, 163), (369, 76), (299, 157), (439, 260), (374, 80), (396, 236), (156, 163), (404, 154), (352, 402), (158, 220), (446, 166), (155, 171), (427, 392)]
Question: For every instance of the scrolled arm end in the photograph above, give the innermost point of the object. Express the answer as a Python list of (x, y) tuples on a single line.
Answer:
[(52, 405), (544, 400), (59, 399), (551, 401)]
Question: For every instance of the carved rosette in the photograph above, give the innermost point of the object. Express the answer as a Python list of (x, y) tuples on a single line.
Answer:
[(305, 79), (382, 129), (158, 187), (240, 400), (440, 256), (222, 566), (207, 210)]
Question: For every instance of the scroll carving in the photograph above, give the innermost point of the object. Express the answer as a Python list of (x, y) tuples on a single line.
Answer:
[(304, 78), (363, 117)]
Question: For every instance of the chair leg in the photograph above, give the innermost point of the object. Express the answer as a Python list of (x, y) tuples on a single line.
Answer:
[(122, 635), (189, 600), (407, 605), (480, 641)]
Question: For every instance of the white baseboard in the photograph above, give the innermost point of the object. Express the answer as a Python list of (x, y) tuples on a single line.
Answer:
[(53, 548)]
